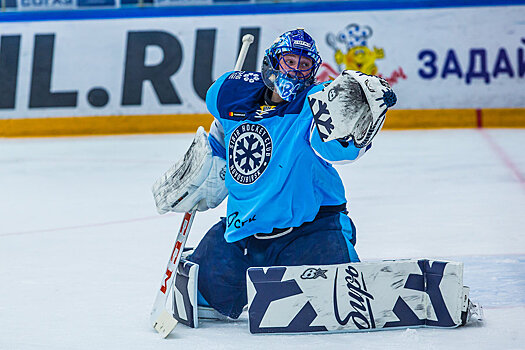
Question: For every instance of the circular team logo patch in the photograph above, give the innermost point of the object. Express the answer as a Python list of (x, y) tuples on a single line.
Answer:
[(250, 150)]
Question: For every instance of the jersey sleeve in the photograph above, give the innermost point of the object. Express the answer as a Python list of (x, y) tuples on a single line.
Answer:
[(216, 135), (216, 139), (335, 152)]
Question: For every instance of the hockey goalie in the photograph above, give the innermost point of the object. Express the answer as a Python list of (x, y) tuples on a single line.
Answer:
[(286, 247)]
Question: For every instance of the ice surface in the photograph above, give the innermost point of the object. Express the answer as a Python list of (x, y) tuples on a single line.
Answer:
[(82, 249)]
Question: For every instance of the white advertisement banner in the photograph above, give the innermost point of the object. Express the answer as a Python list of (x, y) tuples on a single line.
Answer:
[(433, 58)]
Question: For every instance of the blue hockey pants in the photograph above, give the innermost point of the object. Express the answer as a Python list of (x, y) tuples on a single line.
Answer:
[(329, 239)]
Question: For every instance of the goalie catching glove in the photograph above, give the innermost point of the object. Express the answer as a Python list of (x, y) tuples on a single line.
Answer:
[(352, 107), (197, 178)]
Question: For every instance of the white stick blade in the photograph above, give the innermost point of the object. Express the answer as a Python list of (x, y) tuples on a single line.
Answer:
[(165, 323)]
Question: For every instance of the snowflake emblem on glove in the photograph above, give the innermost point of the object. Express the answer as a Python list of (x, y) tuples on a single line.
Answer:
[(389, 98), (251, 77)]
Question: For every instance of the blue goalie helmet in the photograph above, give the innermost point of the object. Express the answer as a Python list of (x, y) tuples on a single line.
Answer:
[(290, 64)]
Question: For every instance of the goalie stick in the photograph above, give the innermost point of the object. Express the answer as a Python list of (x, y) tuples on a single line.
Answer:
[(161, 319)]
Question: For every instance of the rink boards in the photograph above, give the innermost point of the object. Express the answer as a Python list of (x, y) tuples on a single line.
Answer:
[(126, 71)]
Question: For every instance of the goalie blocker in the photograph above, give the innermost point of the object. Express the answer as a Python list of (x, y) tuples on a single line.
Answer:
[(342, 298)]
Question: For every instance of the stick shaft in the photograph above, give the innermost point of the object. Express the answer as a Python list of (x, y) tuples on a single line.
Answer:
[(160, 320)]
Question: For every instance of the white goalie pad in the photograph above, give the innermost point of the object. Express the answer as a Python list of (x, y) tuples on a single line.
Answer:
[(197, 178), (185, 297), (352, 107), (185, 289), (356, 296)]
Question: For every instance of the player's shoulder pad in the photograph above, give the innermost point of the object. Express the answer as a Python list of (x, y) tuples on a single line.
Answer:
[(239, 93), (231, 87), (213, 92), (243, 78)]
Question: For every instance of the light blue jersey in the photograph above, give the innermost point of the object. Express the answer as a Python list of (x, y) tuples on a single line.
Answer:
[(279, 171)]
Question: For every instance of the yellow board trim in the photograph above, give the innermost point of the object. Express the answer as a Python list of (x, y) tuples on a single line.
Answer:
[(142, 124), (455, 118), (104, 125), (504, 118), (430, 119)]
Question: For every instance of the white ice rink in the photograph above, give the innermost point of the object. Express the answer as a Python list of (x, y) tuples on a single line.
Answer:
[(82, 249)]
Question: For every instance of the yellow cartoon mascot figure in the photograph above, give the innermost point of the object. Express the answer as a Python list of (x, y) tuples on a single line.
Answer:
[(358, 56)]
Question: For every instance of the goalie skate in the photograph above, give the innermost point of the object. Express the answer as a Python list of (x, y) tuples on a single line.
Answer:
[(473, 314)]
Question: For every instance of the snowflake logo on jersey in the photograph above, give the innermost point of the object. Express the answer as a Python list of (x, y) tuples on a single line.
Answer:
[(249, 152), (251, 77)]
